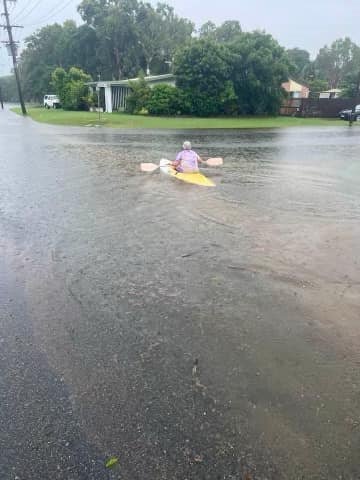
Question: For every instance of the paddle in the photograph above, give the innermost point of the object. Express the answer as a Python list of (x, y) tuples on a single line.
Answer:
[(151, 167)]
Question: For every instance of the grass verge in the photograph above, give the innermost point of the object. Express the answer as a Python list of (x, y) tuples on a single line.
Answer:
[(122, 120)]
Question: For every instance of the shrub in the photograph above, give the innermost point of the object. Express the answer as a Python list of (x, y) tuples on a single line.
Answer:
[(162, 100), (71, 89), (139, 96)]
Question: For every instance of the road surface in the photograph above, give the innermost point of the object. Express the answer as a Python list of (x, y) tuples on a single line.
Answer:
[(191, 333)]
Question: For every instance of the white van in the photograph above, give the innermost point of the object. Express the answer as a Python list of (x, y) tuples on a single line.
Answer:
[(51, 101)]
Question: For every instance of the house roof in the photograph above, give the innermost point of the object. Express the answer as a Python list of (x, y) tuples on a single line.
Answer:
[(292, 86), (151, 79)]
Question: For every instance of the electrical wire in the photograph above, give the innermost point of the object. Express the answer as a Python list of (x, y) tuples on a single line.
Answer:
[(30, 11), (52, 14), (23, 10)]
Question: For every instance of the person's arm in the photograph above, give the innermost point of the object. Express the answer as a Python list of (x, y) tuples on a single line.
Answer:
[(200, 160), (177, 161)]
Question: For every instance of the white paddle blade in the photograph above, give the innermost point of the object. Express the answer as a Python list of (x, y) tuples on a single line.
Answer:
[(214, 162), (148, 167), (164, 162)]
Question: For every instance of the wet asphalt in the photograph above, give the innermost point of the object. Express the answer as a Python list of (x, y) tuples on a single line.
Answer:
[(192, 333)]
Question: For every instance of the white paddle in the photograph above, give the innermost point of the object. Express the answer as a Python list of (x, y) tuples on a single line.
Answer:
[(151, 167)]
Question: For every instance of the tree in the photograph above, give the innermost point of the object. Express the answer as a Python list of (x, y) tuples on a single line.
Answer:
[(351, 85), (85, 47), (208, 31), (336, 62), (9, 89), (115, 25), (318, 85), (203, 70), (177, 32), (118, 38), (151, 35), (71, 88), (55, 46), (225, 33), (299, 63), (351, 82), (132, 34), (229, 31), (259, 66), (139, 96), (160, 32), (39, 59)]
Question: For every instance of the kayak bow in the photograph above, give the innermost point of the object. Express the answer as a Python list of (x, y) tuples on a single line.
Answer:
[(195, 178)]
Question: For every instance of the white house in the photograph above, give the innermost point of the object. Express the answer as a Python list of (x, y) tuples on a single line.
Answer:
[(116, 91)]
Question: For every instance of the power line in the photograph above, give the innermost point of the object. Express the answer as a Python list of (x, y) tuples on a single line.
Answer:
[(55, 12), (23, 9), (29, 12), (12, 45)]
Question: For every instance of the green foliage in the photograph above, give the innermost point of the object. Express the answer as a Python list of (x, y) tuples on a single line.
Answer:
[(161, 100), (208, 30), (228, 99), (9, 89), (71, 89), (351, 79), (93, 100), (160, 32), (300, 63), (202, 70), (132, 34), (111, 462), (117, 40), (167, 100), (337, 62), (259, 66), (55, 46), (318, 85), (243, 76), (351, 85), (229, 31), (139, 96)]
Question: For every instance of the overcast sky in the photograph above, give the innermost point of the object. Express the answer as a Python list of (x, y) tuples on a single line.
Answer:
[(309, 25)]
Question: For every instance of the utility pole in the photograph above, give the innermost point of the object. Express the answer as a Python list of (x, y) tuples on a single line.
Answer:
[(12, 46), (98, 94)]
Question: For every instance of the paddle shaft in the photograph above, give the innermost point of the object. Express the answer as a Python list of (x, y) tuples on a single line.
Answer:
[(211, 162)]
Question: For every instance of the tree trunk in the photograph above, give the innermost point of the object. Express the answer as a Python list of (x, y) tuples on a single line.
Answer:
[(358, 84), (118, 63)]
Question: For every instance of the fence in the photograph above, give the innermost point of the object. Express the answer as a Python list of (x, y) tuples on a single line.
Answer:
[(317, 107)]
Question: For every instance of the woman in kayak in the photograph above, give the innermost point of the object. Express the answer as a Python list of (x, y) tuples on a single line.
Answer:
[(187, 160)]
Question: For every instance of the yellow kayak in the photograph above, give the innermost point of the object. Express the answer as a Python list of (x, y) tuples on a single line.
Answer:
[(194, 178)]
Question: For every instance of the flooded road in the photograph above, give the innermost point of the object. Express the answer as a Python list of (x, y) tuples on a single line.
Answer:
[(192, 333)]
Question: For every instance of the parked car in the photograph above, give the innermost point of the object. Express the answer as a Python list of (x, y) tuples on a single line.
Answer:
[(51, 101), (345, 114)]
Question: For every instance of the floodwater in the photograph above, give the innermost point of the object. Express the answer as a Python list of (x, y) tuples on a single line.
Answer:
[(193, 333)]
